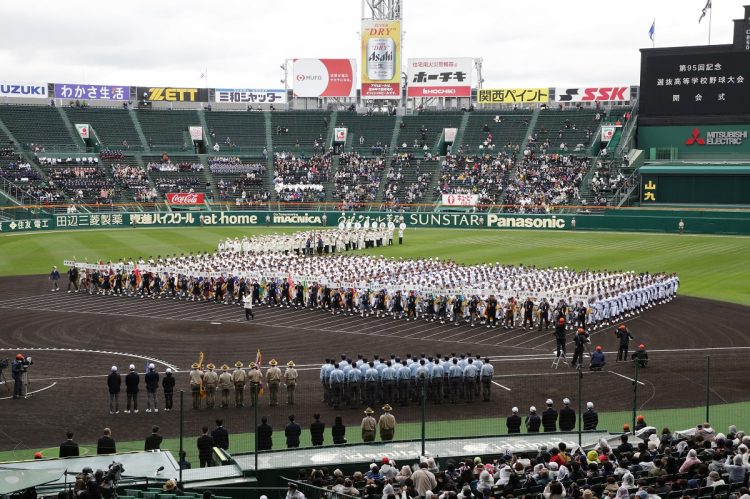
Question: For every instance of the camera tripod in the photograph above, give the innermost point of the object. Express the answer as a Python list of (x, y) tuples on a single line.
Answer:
[(558, 358)]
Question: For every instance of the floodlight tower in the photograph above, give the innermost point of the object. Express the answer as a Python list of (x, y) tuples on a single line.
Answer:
[(381, 9)]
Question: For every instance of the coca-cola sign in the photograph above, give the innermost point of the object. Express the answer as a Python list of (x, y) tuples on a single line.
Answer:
[(185, 198)]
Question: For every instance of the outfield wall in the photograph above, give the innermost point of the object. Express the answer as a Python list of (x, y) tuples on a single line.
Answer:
[(635, 220)]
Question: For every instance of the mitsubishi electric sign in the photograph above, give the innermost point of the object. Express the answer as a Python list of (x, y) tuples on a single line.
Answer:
[(716, 138)]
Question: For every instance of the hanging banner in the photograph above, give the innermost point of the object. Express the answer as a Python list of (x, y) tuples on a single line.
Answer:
[(171, 94), (196, 132), (92, 92), (83, 130), (24, 90), (339, 135), (460, 199), (512, 95), (446, 77), (450, 135), (250, 95), (608, 131), (325, 77), (381, 59)]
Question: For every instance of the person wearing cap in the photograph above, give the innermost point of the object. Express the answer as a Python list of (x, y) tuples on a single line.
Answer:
[(238, 380), (317, 429), (220, 435), (106, 444), (152, 385), (597, 359), (640, 423), (264, 434), (254, 377), (153, 441), (211, 382), (549, 418), (167, 384), (225, 385), (69, 448), (54, 277), (640, 356), (624, 337), (273, 378), (387, 424), (368, 426), (560, 336), (581, 339), (196, 380), (17, 370), (292, 492), (114, 381), (290, 381), (513, 422), (131, 390), (567, 416), (533, 421), (292, 433), (590, 418)]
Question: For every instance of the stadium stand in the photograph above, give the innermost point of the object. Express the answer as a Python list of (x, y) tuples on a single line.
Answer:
[(494, 131), (240, 181), (425, 129), (539, 182), (83, 180), (237, 131), (168, 129), (367, 135), (113, 127), (298, 178), (300, 131), (485, 176), (564, 131), (25, 177), (131, 181), (357, 180), (182, 175), (408, 180), (37, 127)]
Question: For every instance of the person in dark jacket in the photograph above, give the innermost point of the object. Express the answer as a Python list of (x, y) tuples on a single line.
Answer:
[(205, 448), (567, 417), (265, 434), (69, 448), (590, 417), (640, 356), (106, 444), (513, 422), (153, 441), (131, 389), (549, 418), (152, 385), (220, 435), (598, 360), (317, 428), (533, 421), (114, 381), (624, 337), (167, 384), (292, 433), (581, 339), (338, 431), (560, 336)]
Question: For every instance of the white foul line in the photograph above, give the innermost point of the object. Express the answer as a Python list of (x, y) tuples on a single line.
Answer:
[(35, 391), (501, 386), (629, 379)]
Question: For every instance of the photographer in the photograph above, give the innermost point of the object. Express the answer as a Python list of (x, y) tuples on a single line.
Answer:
[(20, 376)]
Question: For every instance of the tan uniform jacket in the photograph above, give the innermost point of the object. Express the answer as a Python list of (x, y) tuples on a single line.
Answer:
[(211, 378), (239, 377), (368, 423), (225, 381), (387, 422), (195, 377), (273, 375), (254, 376), (290, 376)]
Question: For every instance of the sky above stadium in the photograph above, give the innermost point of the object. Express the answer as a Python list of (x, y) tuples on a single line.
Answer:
[(243, 44)]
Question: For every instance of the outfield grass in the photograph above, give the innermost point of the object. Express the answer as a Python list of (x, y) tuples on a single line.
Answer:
[(709, 266), (676, 419)]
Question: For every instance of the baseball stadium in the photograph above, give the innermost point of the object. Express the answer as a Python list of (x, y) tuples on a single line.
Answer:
[(396, 278)]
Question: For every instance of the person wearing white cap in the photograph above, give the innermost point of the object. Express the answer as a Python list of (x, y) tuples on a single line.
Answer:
[(131, 389), (513, 422), (567, 416), (114, 380), (549, 418), (152, 385), (590, 417), (533, 421)]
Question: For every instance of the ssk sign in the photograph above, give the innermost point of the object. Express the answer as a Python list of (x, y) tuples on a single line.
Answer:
[(185, 198), (24, 90), (593, 94)]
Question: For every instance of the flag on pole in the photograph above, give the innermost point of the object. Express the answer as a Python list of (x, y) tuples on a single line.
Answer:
[(202, 390), (705, 9), (203, 75), (652, 30), (259, 363)]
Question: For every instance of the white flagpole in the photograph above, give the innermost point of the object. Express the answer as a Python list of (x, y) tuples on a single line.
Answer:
[(653, 37), (710, 15)]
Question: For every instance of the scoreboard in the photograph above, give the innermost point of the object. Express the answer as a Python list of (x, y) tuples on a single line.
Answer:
[(699, 83)]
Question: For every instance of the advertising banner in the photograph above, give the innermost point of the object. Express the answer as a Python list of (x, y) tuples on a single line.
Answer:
[(460, 199), (512, 95), (196, 132), (171, 94), (608, 131), (446, 77), (185, 198), (250, 95), (325, 77), (92, 92), (450, 135), (24, 90), (381, 59), (83, 130), (593, 94), (339, 134)]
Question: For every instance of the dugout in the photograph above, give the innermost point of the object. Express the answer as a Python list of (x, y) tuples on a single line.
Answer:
[(718, 185)]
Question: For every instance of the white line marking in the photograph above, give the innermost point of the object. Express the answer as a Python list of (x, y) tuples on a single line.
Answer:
[(216, 323), (84, 350), (30, 393), (501, 386), (629, 379)]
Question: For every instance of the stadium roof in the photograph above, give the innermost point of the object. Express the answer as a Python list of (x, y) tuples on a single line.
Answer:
[(698, 169)]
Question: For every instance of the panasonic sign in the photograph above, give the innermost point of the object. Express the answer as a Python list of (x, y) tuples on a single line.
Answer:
[(510, 222)]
